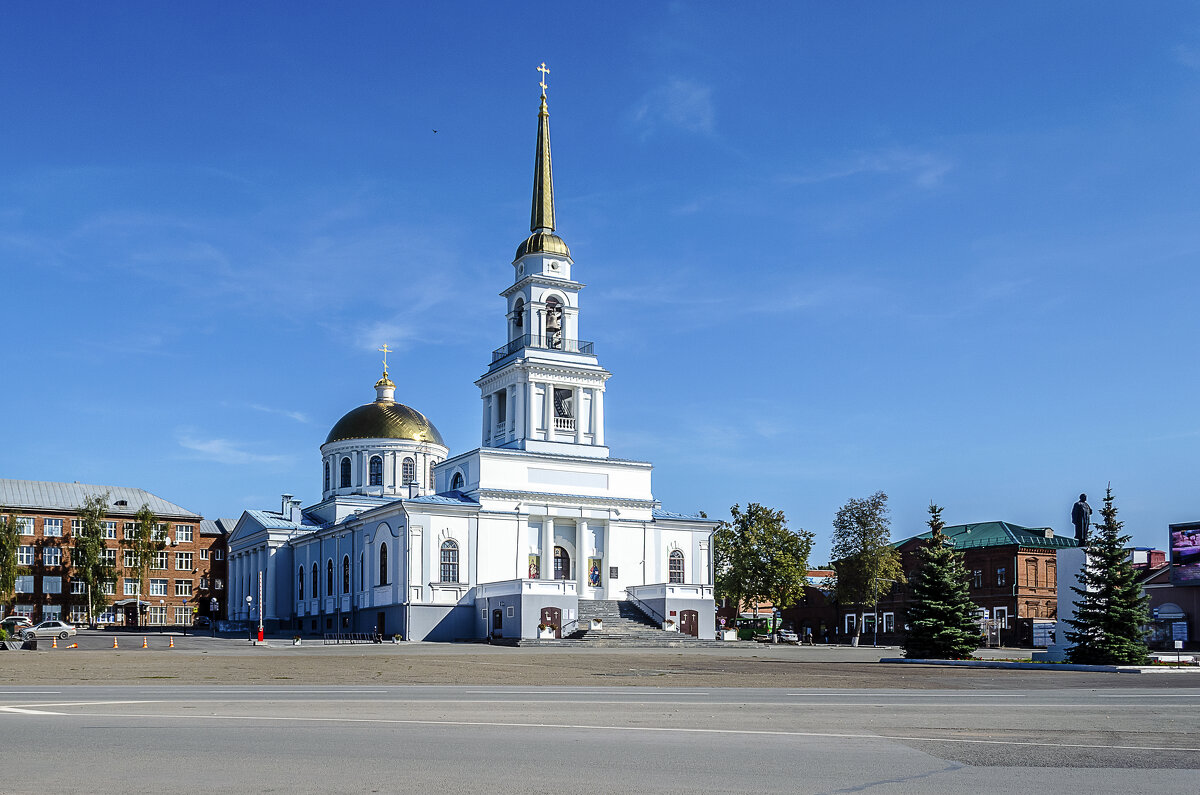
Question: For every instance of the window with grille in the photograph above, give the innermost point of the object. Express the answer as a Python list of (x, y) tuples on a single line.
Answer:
[(78, 586), (160, 560), (158, 586), (449, 561), (52, 527), (408, 471), (183, 615), (183, 561), (183, 533), (25, 525), (52, 556), (675, 567), (109, 556), (131, 586), (383, 565), (24, 556), (52, 585), (375, 470), (183, 587), (109, 529), (345, 473), (129, 561)]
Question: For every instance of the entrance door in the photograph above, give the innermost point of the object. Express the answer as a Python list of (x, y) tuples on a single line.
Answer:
[(689, 623), (562, 564), (552, 617), (379, 617), (131, 616), (497, 623)]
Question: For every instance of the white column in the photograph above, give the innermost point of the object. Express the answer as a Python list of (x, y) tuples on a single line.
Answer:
[(577, 410), (581, 570), (487, 419), (530, 422), (510, 420), (495, 417), (519, 411), (547, 548), (605, 562), (269, 585), (598, 416), (548, 410)]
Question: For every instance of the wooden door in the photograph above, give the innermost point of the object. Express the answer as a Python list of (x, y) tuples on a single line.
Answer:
[(379, 627), (497, 623), (689, 623), (552, 616)]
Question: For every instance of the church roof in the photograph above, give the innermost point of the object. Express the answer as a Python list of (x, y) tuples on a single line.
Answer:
[(52, 496), (999, 534), (541, 217), (385, 420), (449, 498), (273, 521)]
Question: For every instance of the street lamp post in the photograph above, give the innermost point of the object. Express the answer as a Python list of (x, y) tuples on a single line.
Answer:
[(249, 601), (162, 614)]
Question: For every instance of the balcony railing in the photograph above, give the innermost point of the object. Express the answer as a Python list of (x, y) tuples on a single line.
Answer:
[(564, 424), (542, 343)]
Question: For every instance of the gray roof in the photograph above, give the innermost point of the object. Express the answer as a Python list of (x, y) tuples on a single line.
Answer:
[(217, 527), (49, 496), (275, 521)]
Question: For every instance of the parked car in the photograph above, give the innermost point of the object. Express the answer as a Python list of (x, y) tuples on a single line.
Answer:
[(202, 622), (49, 629), (788, 636), (14, 624)]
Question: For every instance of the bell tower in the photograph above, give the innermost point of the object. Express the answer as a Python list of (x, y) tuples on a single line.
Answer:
[(544, 389)]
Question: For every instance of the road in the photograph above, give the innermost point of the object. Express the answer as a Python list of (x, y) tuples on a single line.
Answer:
[(1123, 737)]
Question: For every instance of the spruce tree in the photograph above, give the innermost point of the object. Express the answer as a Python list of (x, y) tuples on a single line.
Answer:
[(1108, 628), (942, 619)]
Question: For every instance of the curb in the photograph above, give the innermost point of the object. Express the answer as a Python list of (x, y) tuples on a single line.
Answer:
[(1032, 666)]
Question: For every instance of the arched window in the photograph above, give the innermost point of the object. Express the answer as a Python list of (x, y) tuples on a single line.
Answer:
[(315, 582), (518, 320), (554, 324), (375, 471), (345, 473), (1031, 572), (562, 564), (326, 476), (457, 483), (675, 566), (408, 472), (329, 578), (449, 561), (383, 569), (431, 463), (346, 574), (300, 584)]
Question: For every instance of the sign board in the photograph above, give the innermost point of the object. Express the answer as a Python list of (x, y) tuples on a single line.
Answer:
[(1185, 554), (612, 572), (1179, 644)]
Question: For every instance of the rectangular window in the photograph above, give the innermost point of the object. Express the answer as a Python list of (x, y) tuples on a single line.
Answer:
[(109, 529), (977, 578), (158, 586), (161, 559), (204, 554), (1001, 576), (510, 612), (107, 617), (851, 622), (23, 610), (109, 556), (51, 612), (183, 533), (183, 587), (25, 525), (157, 615), (78, 614), (24, 584), (1001, 616), (24, 556), (889, 622), (218, 584), (78, 586), (108, 587), (131, 586), (52, 527), (183, 561), (128, 559), (52, 556), (868, 623), (130, 530), (217, 554), (52, 585), (203, 583), (76, 526), (160, 532), (1031, 573), (183, 615)]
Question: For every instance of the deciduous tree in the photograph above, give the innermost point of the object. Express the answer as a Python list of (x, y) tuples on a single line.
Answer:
[(758, 559), (143, 546), (10, 539), (865, 563), (87, 559)]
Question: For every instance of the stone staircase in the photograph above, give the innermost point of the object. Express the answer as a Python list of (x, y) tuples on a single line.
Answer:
[(624, 625)]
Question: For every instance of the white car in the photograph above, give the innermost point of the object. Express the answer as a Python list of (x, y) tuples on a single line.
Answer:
[(787, 636), (49, 629)]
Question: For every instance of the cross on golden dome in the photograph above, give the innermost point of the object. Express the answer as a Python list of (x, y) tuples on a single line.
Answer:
[(544, 72)]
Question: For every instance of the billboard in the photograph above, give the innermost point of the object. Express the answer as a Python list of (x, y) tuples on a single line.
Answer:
[(1185, 553)]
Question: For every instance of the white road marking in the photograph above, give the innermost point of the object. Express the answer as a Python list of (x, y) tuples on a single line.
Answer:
[(29, 711), (916, 694), (30, 692), (332, 692), (650, 729)]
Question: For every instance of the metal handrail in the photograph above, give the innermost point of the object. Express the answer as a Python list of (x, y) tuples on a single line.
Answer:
[(566, 624), (543, 343), (645, 608)]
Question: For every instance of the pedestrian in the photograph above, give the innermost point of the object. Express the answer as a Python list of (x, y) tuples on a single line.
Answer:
[(808, 636)]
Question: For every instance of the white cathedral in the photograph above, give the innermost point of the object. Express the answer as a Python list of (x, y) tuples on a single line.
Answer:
[(529, 535)]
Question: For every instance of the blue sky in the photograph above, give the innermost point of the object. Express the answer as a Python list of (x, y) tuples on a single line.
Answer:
[(944, 251)]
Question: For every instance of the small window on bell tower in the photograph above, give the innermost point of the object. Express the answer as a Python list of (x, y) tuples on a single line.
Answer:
[(502, 406)]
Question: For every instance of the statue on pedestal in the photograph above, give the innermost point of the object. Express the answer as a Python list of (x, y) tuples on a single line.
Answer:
[(1081, 517)]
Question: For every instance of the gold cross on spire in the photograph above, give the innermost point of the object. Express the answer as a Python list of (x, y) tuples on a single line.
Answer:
[(544, 72), (386, 350)]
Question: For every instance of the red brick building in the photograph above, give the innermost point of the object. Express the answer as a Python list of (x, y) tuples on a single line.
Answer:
[(47, 518), (214, 566), (1013, 579)]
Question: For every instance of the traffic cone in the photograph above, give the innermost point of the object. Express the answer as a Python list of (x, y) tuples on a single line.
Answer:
[(144, 644), (54, 642), (114, 642), (73, 646), (171, 645)]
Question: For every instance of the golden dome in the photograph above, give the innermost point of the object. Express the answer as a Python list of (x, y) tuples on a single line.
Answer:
[(543, 243), (385, 419)]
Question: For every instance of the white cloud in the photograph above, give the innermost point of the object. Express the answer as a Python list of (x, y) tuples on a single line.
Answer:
[(683, 104), (226, 451), (926, 169), (298, 416)]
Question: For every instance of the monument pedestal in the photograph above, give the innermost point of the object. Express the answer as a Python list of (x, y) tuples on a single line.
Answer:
[(1070, 563)]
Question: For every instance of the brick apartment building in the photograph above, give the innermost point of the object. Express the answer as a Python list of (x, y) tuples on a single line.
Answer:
[(1013, 578), (213, 569), (47, 517)]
